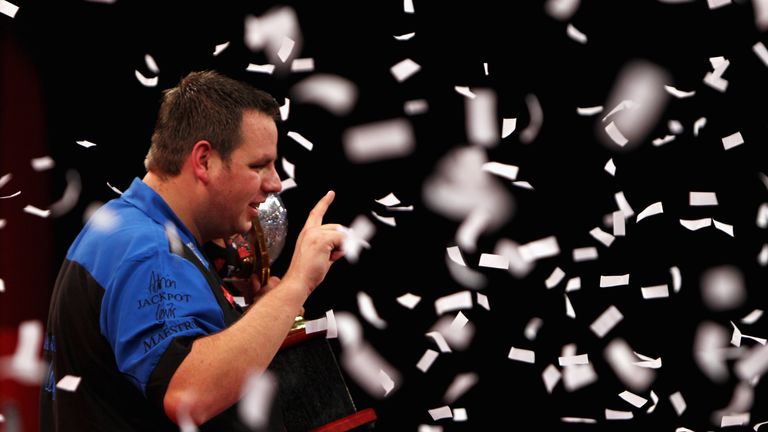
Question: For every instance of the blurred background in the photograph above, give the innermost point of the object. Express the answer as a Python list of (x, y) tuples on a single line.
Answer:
[(581, 192)]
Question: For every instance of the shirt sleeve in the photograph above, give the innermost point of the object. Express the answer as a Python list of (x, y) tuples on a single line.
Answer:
[(153, 309)]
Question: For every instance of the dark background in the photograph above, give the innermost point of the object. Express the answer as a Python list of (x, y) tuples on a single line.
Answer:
[(68, 75)]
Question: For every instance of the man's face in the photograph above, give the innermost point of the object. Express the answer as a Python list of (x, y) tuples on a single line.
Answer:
[(239, 186)]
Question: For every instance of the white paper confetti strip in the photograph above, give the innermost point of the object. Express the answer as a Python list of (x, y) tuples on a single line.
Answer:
[(494, 261), (387, 220), (333, 328), (647, 362), (381, 140), (735, 420), (15, 194), (757, 426), (459, 322), (404, 69), (696, 224), (702, 198), (267, 68), (301, 140), (522, 355), (389, 200), (762, 256), (8, 8), (429, 428), (724, 227), (602, 236), (542, 248), (440, 340), (575, 34), (656, 291), (259, 391), (426, 360), (698, 125), (573, 360), (536, 116), (285, 111), (288, 183), (416, 106), (522, 184), (482, 300), (441, 413), (678, 403), (409, 300), (585, 254), (570, 312), (303, 65), (2, 285), (714, 4), (316, 325), (658, 142), (460, 385), (714, 79), (623, 361), (387, 383), (508, 125), (116, 190), (753, 364), (614, 280), (752, 317), (501, 170), (36, 211), (455, 255), (460, 414), (5, 178), (573, 284), (85, 143), (732, 140), (586, 420), (610, 167), (405, 36), (69, 383), (2, 223), (606, 321), (368, 310), (617, 415), (70, 196), (464, 91), (532, 328), (735, 336), (623, 204), (654, 402), (42, 163), (557, 275), (220, 48), (680, 94), (286, 48), (615, 134), (633, 399), (146, 82), (551, 376), (174, 240), (619, 226), (653, 209), (589, 111)]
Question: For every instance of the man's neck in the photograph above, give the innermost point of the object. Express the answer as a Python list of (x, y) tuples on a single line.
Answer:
[(178, 197)]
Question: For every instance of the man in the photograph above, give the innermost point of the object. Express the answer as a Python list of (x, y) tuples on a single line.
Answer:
[(137, 311)]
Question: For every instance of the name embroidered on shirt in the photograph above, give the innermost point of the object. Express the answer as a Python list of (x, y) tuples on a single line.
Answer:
[(167, 331)]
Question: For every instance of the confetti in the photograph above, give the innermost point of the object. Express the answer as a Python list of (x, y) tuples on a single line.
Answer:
[(585, 254), (220, 48), (482, 300), (735, 420), (557, 275), (426, 360), (656, 291), (606, 321), (522, 355), (442, 412), (368, 311), (303, 65), (480, 118), (493, 261), (664, 140), (698, 125), (485, 68), (85, 143), (460, 385), (575, 34), (15, 194), (619, 227), (440, 340), (578, 420), (623, 362), (653, 209), (647, 362), (69, 383), (288, 183), (8, 8), (724, 227), (573, 284), (2, 285), (589, 111), (536, 114), (752, 317), (118, 191), (623, 204), (610, 167), (404, 69), (714, 79), (714, 4), (408, 6), (501, 170), (532, 328), (618, 415), (42, 163), (464, 91), (259, 391), (696, 224), (762, 216), (635, 400), (177, 246), (460, 414), (70, 197), (387, 220), (36, 211), (409, 300), (386, 139), (301, 140), (569, 310), (602, 236), (538, 249), (551, 376), (678, 93), (702, 199), (655, 400), (415, 106), (146, 82), (580, 359), (405, 36), (268, 68), (678, 403)]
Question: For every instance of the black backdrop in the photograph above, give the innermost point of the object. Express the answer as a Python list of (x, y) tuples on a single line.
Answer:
[(86, 54)]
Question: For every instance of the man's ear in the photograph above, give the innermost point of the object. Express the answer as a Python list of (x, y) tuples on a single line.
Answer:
[(200, 159)]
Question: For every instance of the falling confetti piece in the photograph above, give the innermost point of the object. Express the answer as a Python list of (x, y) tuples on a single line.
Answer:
[(557, 275), (464, 91), (522, 355), (635, 400), (610, 167), (702, 199), (678, 93), (416, 106), (220, 48), (404, 69), (653, 209), (442, 412), (493, 261), (575, 34), (146, 82), (482, 300), (536, 115), (656, 291), (36, 211), (69, 383), (460, 385), (42, 163), (606, 321), (303, 65), (618, 415), (85, 143), (589, 111), (301, 140), (406, 36), (8, 8), (426, 360), (268, 68), (377, 141)]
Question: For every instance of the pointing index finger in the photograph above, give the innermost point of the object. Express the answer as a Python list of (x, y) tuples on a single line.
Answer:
[(315, 217)]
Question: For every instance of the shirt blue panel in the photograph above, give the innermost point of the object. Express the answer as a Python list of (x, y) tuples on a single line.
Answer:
[(151, 295)]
